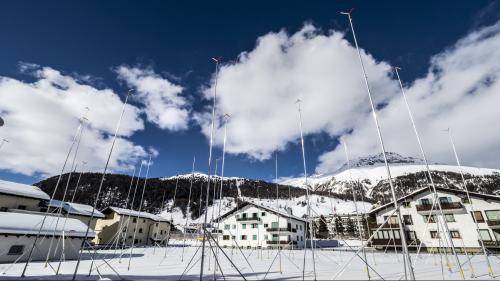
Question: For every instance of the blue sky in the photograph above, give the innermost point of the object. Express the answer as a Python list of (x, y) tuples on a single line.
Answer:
[(175, 40)]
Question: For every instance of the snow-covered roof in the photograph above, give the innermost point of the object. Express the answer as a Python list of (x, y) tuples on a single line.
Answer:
[(23, 190), (246, 203), (75, 208), (18, 223), (132, 213)]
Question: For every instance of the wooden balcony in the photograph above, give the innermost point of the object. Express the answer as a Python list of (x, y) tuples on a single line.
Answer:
[(281, 229), (386, 226), (493, 223), (248, 219), (281, 242), (490, 244), (444, 206), (391, 242)]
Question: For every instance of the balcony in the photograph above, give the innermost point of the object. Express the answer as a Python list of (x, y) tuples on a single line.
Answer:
[(386, 226), (281, 229), (446, 207), (272, 242), (391, 242), (490, 244), (495, 224), (248, 219)]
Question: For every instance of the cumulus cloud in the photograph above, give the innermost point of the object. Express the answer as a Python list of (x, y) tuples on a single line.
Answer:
[(260, 88), (41, 118), (460, 91), (164, 104)]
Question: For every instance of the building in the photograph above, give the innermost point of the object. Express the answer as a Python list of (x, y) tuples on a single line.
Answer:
[(18, 232), (17, 196), (151, 229), (77, 211), (417, 209), (345, 225), (254, 226)]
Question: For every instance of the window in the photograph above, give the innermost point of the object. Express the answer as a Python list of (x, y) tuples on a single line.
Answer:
[(407, 220), (266, 225), (434, 234), (485, 234), (254, 225), (143, 221), (254, 215), (254, 237), (411, 235), (431, 219), (465, 200), (234, 226), (140, 230), (244, 226), (300, 227), (134, 220), (233, 237), (274, 225), (237, 216), (265, 237), (275, 237), (244, 215), (477, 216), (225, 237), (226, 226), (406, 205), (124, 229), (392, 220), (454, 234), (425, 201), (21, 207), (449, 218), (493, 215), (16, 250), (263, 214), (445, 200), (243, 237)]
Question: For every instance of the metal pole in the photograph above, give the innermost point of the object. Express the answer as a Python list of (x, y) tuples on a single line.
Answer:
[(101, 183), (490, 268), (188, 209), (3, 141), (356, 208), (311, 232), (422, 153), (23, 274), (407, 259), (277, 209), (209, 168), (139, 211)]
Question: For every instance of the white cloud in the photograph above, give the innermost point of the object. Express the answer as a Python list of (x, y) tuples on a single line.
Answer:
[(259, 90), (42, 116), (460, 91), (164, 104)]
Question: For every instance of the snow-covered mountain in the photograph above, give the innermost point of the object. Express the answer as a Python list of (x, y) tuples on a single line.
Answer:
[(408, 174)]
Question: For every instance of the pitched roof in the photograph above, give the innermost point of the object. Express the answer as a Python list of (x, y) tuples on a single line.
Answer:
[(23, 223), (22, 190), (247, 203), (75, 208), (132, 213), (438, 189)]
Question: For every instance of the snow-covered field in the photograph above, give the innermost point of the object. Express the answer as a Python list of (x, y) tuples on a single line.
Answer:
[(151, 264)]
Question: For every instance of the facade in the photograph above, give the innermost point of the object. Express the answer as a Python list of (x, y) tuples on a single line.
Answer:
[(119, 225), (254, 226), (18, 232), (16, 196), (417, 209), (77, 211)]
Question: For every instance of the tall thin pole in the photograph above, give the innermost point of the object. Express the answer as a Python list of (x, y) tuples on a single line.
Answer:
[(188, 209), (139, 211), (306, 185), (3, 141), (422, 153), (213, 209), (407, 259), (171, 215), (278, 207), (101, 184), (30, 255), (122, 235), (490, 269), (159, 222), (209, 168), (356, 207)]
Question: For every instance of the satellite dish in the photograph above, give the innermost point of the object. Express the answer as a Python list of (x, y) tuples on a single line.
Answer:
[(1, 122)]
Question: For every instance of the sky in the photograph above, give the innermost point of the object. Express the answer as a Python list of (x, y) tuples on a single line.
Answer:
[(59, 58)]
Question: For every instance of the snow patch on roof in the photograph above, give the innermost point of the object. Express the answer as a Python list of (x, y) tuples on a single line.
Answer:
[(18, 223), (24, 190), (132, 213), (75, 208)]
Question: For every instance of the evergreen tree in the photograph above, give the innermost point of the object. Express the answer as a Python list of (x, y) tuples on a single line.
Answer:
[(322, 230), (339, 226), (350, 227)]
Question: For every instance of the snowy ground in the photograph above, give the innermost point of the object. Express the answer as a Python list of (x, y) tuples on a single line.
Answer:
[(151, 264)]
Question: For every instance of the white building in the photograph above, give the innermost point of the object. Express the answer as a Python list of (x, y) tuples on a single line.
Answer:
[(416, 211), (81, 212), (18, 196), (254, 226), (18, 232)]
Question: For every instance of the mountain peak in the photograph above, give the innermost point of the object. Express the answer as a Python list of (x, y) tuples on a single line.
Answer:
[(393, 158)]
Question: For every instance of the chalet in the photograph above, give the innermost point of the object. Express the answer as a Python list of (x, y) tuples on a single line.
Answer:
[(151, 229), (250, 225), (18, 232), (417, 209), (17, 196), (77, 211)]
